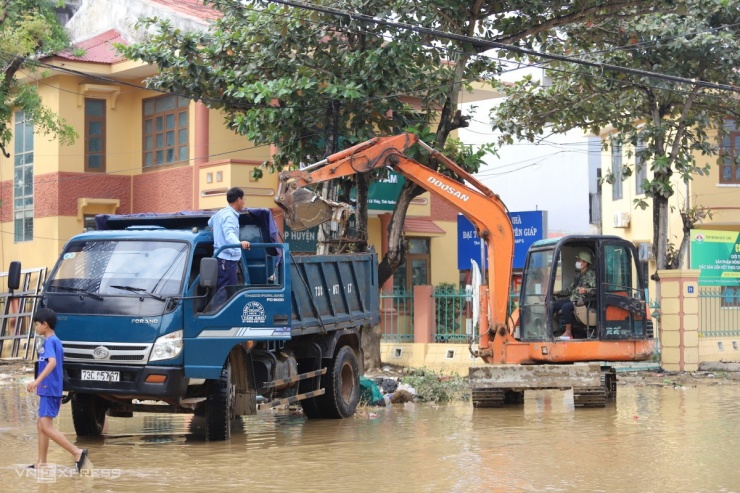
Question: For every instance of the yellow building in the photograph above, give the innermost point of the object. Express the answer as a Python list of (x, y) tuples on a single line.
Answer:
[(718, 191), (143, 151)]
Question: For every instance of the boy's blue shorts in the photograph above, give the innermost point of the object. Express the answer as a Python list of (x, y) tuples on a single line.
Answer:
[(49, 406)]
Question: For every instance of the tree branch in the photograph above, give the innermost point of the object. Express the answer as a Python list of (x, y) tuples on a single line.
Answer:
[(573, 17)]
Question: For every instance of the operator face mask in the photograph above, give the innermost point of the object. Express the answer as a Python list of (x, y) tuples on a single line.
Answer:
[(579, 265)]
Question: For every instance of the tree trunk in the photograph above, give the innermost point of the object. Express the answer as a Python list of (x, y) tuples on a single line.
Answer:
[(660, 231), (363, 184), (323, 246), (370, 343), (396, 253)]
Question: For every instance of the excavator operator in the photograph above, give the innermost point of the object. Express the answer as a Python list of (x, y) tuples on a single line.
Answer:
[(582, 288)]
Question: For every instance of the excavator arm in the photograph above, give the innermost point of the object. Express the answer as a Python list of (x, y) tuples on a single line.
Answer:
[(473, 199)]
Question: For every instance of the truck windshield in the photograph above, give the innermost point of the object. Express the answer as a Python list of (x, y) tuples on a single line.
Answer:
[(130, 277)]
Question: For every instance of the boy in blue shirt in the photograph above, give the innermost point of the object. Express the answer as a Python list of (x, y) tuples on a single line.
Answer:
[(48, 385)]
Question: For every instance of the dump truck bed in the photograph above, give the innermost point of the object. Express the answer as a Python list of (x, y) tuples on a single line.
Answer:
[(331, 292)]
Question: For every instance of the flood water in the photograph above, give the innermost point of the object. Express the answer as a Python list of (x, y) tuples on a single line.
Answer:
[(652, 440)]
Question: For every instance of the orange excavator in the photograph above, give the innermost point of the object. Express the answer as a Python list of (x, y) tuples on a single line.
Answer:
[(521, 349)]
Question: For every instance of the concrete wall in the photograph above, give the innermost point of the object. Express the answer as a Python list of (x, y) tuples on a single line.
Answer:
[(446, 358), (683, 348), (97, 16)]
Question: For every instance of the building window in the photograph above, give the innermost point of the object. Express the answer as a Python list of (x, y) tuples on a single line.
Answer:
[(23, 178), (617, 171), (95, 135), (730, 158), (165, 130), (640, 168), (416, 270)]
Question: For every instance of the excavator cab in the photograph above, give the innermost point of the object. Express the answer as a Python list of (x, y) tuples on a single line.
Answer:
[(617, 310)]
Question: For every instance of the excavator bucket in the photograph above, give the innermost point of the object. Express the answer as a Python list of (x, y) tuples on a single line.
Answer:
[(304, 210)]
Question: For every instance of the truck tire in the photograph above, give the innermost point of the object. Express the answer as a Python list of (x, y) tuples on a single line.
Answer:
[(219, 408), (88, 415), (312, 408), (342, 384)]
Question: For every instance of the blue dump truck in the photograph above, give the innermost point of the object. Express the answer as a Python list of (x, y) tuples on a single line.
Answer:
[(142, 333)]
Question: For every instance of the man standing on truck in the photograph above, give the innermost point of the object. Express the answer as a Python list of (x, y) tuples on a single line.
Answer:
[(583, 288), (225, 225)]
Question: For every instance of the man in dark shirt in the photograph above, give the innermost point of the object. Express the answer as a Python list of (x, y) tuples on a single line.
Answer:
[(583, 286)]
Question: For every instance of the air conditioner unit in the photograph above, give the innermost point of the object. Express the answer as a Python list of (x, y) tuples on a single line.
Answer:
[(645, 251), (621, 219)]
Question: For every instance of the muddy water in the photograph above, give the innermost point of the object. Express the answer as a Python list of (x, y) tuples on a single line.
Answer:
[(651, 440)]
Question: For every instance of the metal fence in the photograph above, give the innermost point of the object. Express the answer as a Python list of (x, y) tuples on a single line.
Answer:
[(397, 316), (719, 311), (453, 315), (17, 334)]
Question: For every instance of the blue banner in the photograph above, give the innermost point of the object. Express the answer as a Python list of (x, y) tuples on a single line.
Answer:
[(529, 227)]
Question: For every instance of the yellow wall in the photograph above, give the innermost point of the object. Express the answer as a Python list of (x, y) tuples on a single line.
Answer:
[(230, 154), (449, 359), (709, 349), (640, 228), (722, 199), (49, 236), (373, 234), (444, 255)]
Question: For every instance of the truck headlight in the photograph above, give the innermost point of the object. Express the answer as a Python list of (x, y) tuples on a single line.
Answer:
[(167, 347)]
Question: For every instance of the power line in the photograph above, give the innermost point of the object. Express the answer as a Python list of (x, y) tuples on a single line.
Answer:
[(501, 46)]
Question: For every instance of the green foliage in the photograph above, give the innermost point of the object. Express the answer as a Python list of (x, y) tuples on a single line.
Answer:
[(432, 386), (675, 123), (28, 30), (303, 81), (312, 83)]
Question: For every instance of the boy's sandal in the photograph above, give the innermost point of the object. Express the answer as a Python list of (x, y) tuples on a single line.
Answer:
[(81, 462)]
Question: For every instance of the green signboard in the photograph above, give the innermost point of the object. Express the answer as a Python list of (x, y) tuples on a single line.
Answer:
[(383, 194), (307, 240), (717, 255), (302, 241)]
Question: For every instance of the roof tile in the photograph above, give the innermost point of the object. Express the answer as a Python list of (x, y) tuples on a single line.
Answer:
[(422, 225), (98, 49), (193, 8)]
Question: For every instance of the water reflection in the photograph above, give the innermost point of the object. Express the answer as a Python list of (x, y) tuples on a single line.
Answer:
[(652, 439)]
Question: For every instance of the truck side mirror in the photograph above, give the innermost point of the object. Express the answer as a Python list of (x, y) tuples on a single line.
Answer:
[(14, 275), (208, 272)]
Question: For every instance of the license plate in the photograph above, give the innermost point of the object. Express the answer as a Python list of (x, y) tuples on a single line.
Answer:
[(105, 376)]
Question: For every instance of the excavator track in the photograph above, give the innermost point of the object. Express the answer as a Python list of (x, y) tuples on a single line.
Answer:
[(597, 396), (609, 381), (484, 397), (589, 396)]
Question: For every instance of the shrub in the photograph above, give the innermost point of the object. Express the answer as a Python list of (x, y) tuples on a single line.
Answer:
[(432, 386)]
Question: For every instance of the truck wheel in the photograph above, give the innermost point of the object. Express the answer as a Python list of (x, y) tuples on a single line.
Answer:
[(221, 396), (88, 415), (312, 408), (342, 385)]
